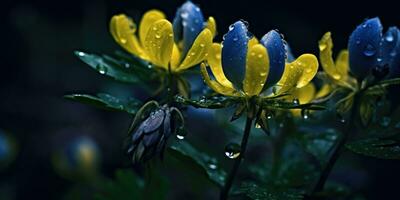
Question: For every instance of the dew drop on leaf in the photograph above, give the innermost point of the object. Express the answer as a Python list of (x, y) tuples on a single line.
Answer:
[(232, 150)]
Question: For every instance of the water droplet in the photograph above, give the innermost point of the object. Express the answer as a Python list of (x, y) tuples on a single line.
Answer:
[(197, 9), (358, 42), (170, 35), (158, 36), (263, 73), (184, 23), (259, 55), (235, 39), (81, 54), (252, 53), (123, 40), (269, 116), (181, 137), (305, 113), (154, 28), (231, 27), (369, 50), (101, 69), (364, 25), (296, 101), (322, 46), (379, 59), (196, 21), (192, 29), (257, 125), (389, 37), (202, 45), (127, 65), (193, 53), (181, 133), (212, 166), (184, 15), (232, 150)]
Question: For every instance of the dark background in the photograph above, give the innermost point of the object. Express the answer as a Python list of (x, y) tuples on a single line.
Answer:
[(38, 67)]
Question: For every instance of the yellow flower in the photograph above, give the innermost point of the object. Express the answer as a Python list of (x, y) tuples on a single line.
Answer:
[(247, 67), (177, 46), (337, 71)]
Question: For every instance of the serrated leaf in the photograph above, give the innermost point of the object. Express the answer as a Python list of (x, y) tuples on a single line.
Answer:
[(254, 191), (106, 65), (376, 147), (199, 160), (106, 101)]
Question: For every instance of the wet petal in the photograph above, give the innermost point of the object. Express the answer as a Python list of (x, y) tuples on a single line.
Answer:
[(364, 44), (212, 26), (234, 52), (325, 57), (214, 85), (159, 43), (298, 73), (199, 50), (123, 30), (289, 55), (148, 19), (391, 51), (276, 52), (256, 70), (175, 57), (342, 63), (325, 90), (253, 41), (188, 23), (214, 60), (305, 94)]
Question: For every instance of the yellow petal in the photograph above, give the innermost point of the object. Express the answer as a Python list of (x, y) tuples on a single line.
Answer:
[(214, 60), (159, 43), (308, 63), (342, 63), (325, 90), (298, 73), (325, 56), (175, 57), (123, 30), (214, 85), (148, 19), (257, 68), (212, 26), (253, 41), (305, 94), (198, 51)]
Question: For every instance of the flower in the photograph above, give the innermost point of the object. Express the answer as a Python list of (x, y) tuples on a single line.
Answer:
[(149, 137), (369, 51), (176, 46), (243, 66)]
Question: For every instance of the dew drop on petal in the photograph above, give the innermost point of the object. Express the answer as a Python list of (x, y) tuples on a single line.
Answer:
[(369, 50)]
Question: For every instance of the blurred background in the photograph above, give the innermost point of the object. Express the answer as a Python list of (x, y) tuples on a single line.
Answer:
[(44, 138)]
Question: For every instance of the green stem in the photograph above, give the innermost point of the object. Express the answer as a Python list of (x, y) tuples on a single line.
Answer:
[(339, 148), (232, 174)]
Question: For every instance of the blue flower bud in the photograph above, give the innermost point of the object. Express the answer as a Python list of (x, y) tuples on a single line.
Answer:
[(187, 25), (364, 47), (276, 53), (234, 52)]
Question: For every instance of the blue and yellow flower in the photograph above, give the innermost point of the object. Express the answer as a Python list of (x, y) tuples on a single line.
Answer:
[(368, 50), (171, 46), (242, 66)]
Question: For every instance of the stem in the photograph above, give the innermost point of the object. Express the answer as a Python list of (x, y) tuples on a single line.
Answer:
[(236, 164), (339, 148)]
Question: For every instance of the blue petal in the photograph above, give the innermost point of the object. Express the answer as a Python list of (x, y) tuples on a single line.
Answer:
[(391, 51), (187, 25), (234, 53), (289, 54), (364, 47), (276, 52)]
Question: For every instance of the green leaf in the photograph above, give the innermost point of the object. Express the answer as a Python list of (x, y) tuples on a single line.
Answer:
[(253, 191), (318, 142), (106, 101), (106, 65), (199, 160), (211, 102), (384, 148)]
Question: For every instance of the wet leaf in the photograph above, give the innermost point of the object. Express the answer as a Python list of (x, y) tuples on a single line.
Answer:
[(254, 191), (199, 160), (118, 70), (384, 148), (106, 101)]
